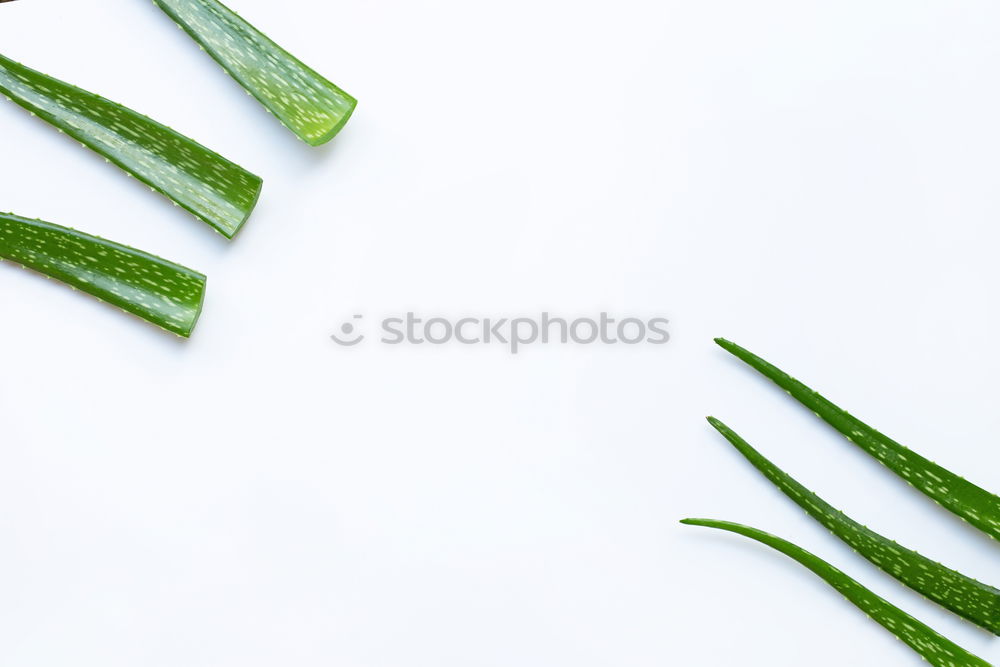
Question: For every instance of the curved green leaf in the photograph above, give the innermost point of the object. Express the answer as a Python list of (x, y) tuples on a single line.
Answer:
[(156, 290), (970, 599), (211, 187), (306, 103), (935, 648), (963, 498)]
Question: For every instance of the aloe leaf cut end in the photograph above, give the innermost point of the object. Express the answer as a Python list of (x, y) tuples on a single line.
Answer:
[(209, 186), (304, 101), (961, 497), (974, 601), (161, 292), (932, 646)]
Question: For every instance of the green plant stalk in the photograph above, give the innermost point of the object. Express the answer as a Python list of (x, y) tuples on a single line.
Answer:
[(935, 648), (970, 599), (963, 498), (305, 102), (161, 292), (199, 180)]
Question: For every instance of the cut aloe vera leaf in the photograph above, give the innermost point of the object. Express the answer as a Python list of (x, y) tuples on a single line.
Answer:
[(166, 294), (933, 647), (211, 187), (970, 599), (305, 102), (963, 498)]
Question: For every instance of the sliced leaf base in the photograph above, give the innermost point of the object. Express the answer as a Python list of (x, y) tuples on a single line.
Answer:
[(215, 190), (166, 294), (305, 102)]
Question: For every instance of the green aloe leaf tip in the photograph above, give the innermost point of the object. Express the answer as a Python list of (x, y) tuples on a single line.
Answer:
[(932, 646), (961, 497), (970, 599)]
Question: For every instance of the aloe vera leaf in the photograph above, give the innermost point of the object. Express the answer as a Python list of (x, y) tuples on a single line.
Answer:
[(970, 599), (935, 648), (305, 102), (161, 292), (199, 180), (959, 496)]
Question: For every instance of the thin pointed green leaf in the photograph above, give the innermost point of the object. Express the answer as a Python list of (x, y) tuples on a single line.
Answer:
[(970, 599), (156, 290), (963, 498), (933, 647), (305, 102), (211, 187)]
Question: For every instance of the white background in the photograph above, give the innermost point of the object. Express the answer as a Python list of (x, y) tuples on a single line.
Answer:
[(815, 180)]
